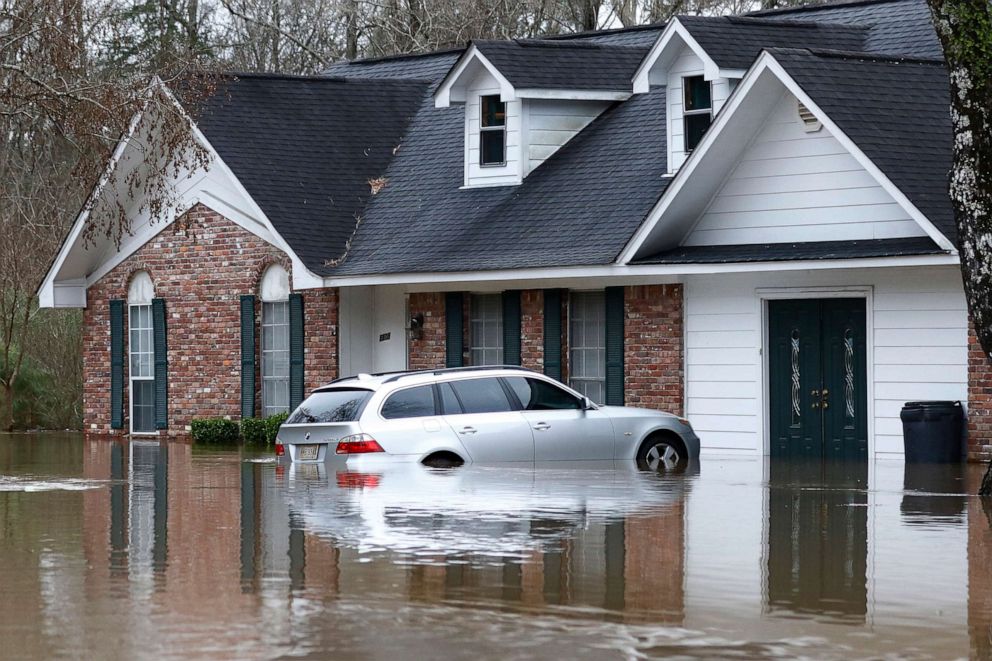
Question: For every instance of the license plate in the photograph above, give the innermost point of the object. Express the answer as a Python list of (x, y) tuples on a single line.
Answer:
[(307, 452)]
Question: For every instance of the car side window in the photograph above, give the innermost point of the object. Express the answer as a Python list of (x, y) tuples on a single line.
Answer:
[(538, 395), (449, 402), (410, 403), (481, 395)]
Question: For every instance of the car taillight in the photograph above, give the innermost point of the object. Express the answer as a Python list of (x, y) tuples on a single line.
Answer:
[(358, 444), (280, 449)]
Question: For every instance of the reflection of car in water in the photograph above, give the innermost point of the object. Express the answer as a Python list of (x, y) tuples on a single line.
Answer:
[(502, 511), (477, 415)]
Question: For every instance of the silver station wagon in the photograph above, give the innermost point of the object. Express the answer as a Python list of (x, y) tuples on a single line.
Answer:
[(481, 415)]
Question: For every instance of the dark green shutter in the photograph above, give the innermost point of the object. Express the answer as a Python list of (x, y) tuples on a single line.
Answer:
[(159, 334), (511, 328), (614, 346), (295, 350), (248, 356), (454, 339), (552, 333), (117, 364)]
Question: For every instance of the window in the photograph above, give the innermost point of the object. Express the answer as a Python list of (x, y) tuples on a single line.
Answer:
[(410, 403), (587, 344), (275, 358), (538, 395), (481, 395), (487, 330), (697, 112), (338, 405), (274, 290), (449, 401), (492, 131), (142, 353)]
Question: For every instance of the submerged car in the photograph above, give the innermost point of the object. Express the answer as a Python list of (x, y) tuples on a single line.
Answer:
[(449, 417)]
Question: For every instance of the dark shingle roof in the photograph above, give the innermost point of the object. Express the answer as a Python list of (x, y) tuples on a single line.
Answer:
[(780, 252), (571, 65), (898, 27), (896, 111), (734, 42), (305, 149), (580, 207)]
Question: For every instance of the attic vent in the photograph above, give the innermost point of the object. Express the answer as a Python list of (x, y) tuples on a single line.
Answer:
[(810, 123)]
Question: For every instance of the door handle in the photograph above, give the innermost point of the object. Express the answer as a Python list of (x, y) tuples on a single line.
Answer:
[(825, 402), (542, 426), (467, 430)]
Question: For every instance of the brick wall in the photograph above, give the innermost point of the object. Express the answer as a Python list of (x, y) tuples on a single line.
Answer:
[(979, 401), (653, 347), (532, 329), (653, 353), (200, 267), (428, 351)]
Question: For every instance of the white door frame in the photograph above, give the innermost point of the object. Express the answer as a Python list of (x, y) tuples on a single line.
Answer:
[(765, 294)]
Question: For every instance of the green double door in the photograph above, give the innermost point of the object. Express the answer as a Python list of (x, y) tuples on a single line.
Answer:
[(817, 378)]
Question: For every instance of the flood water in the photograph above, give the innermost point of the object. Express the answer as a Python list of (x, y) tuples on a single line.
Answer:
[(120, 551)]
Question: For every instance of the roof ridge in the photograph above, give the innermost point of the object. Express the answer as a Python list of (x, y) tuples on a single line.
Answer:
[(448, 50), (860, 55), (774, 23), (320, 78), (825, 4)]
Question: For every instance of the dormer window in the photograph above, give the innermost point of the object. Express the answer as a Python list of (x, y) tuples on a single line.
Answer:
[(492, 131), (698, 110)]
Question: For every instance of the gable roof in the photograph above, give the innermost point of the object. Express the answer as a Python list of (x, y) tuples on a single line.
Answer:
[(734, 41), (895, 110), (571, 65), (306, 148)]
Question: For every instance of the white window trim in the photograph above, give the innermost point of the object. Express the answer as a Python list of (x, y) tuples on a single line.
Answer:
[(571, 298), (693, 113), (131, 378), (492, 129), (472, 348), (262, 351)]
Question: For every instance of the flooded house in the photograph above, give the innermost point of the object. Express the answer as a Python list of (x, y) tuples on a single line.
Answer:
[(741, 219)]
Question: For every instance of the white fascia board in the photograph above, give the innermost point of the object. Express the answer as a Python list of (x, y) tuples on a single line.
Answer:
[(684, 173), (444, 97), (674, 29), (925, 224), (639, 271), (573, 95), (766, 62)]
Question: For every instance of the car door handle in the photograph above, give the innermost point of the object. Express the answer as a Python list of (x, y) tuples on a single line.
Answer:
[(467, 430), (542, 426)]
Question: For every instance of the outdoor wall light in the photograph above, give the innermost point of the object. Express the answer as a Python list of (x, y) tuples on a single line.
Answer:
[(417, 326)]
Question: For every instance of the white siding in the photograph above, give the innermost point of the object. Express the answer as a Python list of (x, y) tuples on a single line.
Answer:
[(550, 123), (511, 172), (687, 64), (795, 186), (919, 348)]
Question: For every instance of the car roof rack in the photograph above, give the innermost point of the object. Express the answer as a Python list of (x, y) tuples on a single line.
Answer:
[(455, 370), (355, 376)]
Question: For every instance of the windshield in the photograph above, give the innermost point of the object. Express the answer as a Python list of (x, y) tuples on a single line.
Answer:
[(339, 405)]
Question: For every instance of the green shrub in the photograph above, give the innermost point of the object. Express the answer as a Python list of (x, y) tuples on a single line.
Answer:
[(218, 431), (253, 431), (258, 431)]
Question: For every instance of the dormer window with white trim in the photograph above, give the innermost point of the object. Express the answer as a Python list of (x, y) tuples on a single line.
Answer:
[(698, 109), (492, 131)]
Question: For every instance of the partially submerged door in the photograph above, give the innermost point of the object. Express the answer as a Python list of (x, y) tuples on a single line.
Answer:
[(817, 378)]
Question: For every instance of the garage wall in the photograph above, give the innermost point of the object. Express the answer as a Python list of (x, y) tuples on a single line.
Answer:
[(918, 323)]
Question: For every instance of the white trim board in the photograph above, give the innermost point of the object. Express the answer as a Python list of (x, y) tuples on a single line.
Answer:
[(664, 226), (665, 46)]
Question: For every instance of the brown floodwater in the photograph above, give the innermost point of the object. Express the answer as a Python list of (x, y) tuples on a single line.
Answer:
[(111, 550)]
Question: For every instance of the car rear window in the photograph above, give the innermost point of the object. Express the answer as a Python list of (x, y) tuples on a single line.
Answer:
[(338, 405), (410, 403), (481, 395)]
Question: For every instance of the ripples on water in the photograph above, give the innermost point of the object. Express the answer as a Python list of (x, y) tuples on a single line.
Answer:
[(110, 550)]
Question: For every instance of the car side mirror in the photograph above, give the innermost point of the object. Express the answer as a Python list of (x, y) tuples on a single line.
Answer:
[(587, 404)]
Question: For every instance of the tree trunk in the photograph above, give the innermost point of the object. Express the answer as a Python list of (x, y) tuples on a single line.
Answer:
[(7, 421), (965, 31)]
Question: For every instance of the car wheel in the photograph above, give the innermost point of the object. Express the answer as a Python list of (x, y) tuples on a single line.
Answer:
[(662, 455)]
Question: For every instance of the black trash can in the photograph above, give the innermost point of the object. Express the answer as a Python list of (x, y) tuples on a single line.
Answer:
[(931, 432)]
